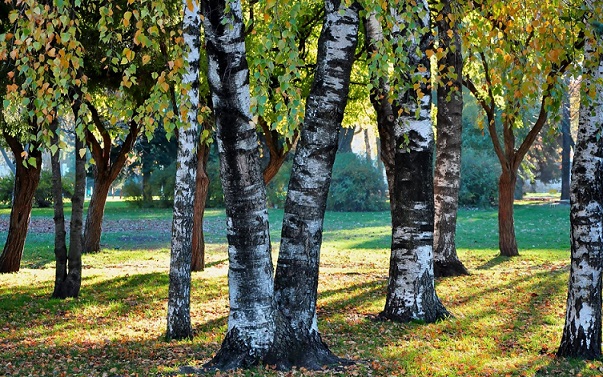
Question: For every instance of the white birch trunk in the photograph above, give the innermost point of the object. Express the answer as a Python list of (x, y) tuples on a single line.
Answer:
[(582, 330), (411, 289), (297, 340), (178, 316), (251, 319)]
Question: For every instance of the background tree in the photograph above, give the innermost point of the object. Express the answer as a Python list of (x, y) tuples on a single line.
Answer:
[(516, 53)]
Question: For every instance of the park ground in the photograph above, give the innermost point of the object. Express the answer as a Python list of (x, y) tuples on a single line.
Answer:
[(508, 314)]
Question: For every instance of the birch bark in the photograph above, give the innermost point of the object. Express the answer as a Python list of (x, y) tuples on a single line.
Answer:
[(582, 331), (178, 315), (297, 341), (411, 289), (251, 319), (447, 179)]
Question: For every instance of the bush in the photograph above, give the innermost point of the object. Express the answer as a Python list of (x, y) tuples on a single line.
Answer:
[(42, 196), (162, 185), (132, 193), (356, 185), (7, 185), (479, 178)]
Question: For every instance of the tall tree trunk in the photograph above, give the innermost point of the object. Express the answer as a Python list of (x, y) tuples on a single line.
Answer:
[(26, 182), (201, 190), (178, 315), (506, 226), (251, 318), (447, 180), (386, 119), (297, 341), (367, 146), (346, 136), (566, 144), (96, 212), (582, 331), (60, 246), (411, 288)]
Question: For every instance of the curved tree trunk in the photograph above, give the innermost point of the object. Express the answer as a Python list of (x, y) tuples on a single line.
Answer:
[(26, 182), (447, 179), (582, 331), (178, 313), (96, 212), (201, 190), (251, 318), (297, 341), (507, 242), (411, 288)]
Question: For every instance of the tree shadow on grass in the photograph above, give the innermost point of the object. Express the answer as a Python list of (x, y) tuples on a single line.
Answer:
[(496, 261)]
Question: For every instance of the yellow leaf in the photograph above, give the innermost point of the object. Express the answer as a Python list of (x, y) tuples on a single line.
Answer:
[(82, 152), (146, 59), (190, 5)]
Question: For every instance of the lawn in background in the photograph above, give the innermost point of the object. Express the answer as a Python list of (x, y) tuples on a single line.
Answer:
[(508, 315)]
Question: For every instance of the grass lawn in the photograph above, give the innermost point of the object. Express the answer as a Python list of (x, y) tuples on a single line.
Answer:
[(508, 315)]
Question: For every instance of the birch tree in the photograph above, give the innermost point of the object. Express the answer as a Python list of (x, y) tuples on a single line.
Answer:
[(447, 179), (297, 340), (251, 321), (411, 289), (582, 330), (178, 317)]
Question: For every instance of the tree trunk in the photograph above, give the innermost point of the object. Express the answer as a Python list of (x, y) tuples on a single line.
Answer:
[(60, 246), (26, 182), (96, 212), (367, 146), (386, 120), (297, 341), (346, 136), (251, 319), (566, 145), (178, 314), (70, 285), (582, 331), (447, 180), (506, 227), (201, 190), (411, 288)]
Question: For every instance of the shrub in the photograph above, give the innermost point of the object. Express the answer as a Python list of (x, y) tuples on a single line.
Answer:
[(7, 185), (132, 193), (479, 178), (356, 185)]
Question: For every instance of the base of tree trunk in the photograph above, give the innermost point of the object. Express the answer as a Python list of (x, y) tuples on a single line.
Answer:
[(70, 287), (436, 314), (579, 349), (235, 353), (309, 352), (443, 269)]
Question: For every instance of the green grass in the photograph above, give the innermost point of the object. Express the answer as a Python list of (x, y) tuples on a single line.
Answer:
[(508, 315)]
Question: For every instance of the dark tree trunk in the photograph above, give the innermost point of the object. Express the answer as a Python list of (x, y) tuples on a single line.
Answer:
[(179, 294), (60, 246), (447, 178), (70, 286), (106, 170), (297, 341), (411, 288), (566, 146), (277, 150), (147, 194), (96, 212), (201, 190), (582, 331), (346, 136), (26, 182), (386, 119), (506, 226), (251, 319)]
